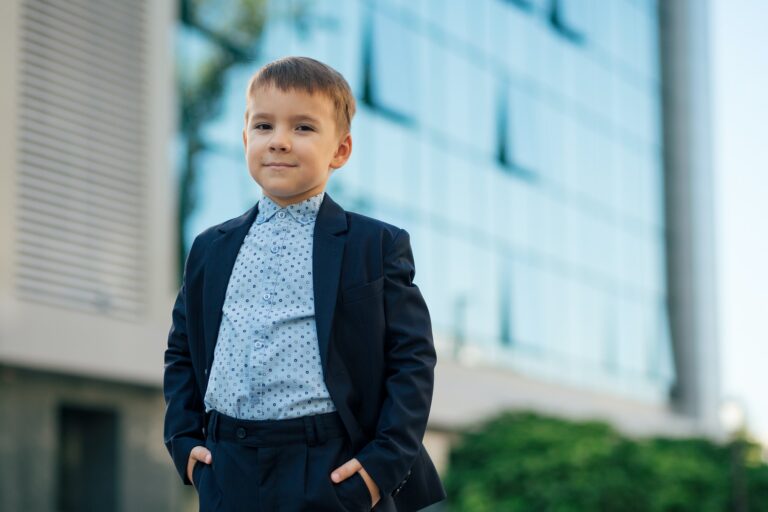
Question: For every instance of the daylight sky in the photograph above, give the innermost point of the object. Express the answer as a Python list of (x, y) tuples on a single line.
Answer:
[(740, 112)]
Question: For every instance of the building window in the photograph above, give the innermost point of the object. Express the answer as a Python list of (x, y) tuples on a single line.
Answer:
[(388, 68), (87, 472)]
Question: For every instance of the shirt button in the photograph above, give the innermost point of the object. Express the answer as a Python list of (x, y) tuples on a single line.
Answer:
[(267, 296), (274, 249), (259, 344), (240, 433), (280, 215)]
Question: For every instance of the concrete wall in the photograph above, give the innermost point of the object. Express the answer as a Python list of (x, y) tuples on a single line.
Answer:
[(56, 355), (690, 207), (29, 441), (62, 339)]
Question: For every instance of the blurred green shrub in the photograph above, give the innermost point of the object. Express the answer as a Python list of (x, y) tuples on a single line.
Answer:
[(523, 462)]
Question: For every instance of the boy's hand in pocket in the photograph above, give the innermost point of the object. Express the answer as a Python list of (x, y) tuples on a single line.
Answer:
[(351, 467), (198, 453)]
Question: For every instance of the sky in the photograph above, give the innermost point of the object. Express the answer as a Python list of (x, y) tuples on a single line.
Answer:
[(740, 110)]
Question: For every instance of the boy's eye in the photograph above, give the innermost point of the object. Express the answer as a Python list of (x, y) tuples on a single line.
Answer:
[(262, 126), (305, 128)]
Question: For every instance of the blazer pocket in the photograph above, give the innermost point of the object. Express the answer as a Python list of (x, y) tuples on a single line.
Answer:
[(363, 291)]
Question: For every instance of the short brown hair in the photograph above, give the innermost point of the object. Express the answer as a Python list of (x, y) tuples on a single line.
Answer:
[(310, 75)]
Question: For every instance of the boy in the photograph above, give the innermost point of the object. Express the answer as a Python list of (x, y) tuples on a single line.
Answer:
[(299, 368)]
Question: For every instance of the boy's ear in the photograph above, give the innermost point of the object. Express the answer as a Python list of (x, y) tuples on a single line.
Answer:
[(245, 140), (343, 152)]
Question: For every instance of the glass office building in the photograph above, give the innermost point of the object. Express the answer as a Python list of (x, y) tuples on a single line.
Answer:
[(520, 143)]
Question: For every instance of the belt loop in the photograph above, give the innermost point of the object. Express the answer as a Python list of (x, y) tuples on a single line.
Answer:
[(206, 421), (309, 430), (322, 435), (213, 424)]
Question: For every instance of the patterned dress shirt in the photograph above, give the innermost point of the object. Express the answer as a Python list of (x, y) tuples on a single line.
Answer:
[(267, 361)]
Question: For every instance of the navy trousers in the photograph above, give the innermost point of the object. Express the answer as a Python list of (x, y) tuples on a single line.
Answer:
[(279, 466)]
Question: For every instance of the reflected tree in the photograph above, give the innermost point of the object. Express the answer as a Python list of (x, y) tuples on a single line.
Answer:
[(232, 29)]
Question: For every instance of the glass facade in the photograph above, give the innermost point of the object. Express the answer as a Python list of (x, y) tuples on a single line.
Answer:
[(520, 144)]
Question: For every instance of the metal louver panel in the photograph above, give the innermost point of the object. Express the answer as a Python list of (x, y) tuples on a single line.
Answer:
[(81, 156)]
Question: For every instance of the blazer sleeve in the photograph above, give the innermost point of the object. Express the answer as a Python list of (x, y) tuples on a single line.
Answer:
[(411, 359), (184, 412)]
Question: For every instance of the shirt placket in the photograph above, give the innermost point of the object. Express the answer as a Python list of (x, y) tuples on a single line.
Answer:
[(264, 347)]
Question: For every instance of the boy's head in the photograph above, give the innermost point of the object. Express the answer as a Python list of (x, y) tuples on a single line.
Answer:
[(297, 127)]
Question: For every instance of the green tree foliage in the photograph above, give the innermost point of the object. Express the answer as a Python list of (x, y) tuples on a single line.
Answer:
[(526, 462), (757, 487)]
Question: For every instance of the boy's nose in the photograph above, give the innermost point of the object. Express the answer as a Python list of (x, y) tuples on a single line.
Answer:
[(279, 142)]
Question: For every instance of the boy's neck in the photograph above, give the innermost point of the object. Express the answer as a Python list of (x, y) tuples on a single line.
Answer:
[(283, 203)]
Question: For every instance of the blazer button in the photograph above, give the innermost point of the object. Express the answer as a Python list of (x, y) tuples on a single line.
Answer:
[(205, 372), (240, 433)]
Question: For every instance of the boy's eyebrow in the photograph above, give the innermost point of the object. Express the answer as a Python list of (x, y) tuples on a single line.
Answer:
[(298, 117)]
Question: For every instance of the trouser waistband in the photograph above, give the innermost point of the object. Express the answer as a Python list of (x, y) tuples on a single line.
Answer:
[(313, 430)]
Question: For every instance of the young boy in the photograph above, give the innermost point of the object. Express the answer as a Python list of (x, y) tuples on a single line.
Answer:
[(299, 367)]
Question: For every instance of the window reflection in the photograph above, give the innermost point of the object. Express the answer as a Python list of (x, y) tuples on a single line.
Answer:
[(519, 142)]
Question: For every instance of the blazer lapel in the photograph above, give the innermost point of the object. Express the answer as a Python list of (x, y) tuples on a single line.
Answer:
[(327, 253), (218, 268)]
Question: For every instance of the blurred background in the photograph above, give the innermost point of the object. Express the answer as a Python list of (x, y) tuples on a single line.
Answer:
[(583, 181)]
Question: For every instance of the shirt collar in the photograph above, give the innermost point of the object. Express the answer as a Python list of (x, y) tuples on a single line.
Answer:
[(303, 212)]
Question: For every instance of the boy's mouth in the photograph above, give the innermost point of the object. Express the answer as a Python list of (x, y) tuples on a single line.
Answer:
[(278, 164)]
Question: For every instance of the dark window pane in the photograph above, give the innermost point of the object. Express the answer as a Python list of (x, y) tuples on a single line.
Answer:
[(87, 460)]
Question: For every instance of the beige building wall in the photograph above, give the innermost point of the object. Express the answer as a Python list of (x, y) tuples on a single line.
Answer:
[(87, 269), (71, 337)]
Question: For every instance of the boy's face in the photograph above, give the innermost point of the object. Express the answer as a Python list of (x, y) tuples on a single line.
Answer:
[(292, 143)]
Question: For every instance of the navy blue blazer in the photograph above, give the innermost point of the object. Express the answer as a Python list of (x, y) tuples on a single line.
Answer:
[(374, 334)]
